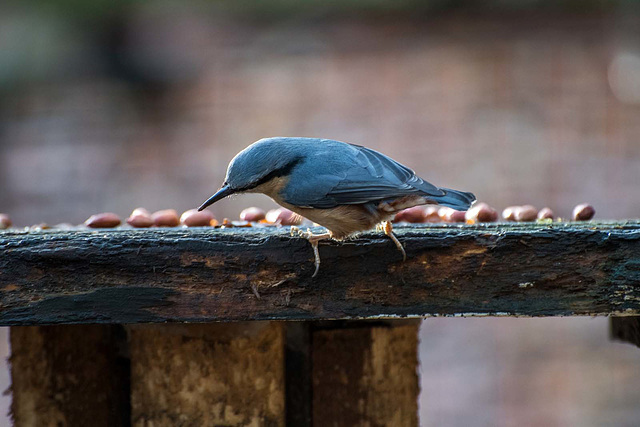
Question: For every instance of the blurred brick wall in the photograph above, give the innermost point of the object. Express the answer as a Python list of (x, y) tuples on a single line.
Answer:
[(515, 108)]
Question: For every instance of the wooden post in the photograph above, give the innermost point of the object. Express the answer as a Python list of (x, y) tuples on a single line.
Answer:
[(331, 373), (298, 373), (228, 374), (365, 374), (69, 376), (626, 329)]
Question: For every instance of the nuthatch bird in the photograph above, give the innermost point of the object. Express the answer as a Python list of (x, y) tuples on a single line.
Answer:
[(344, 187)]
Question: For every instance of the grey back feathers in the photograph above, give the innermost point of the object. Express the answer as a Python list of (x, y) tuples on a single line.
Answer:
[(324, 174)]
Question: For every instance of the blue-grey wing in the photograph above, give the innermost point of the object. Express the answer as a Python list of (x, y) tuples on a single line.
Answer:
[(352, 174)]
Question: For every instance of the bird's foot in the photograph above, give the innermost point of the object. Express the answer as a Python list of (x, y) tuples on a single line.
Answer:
[(296, 231), (313, 239), (388, 230)]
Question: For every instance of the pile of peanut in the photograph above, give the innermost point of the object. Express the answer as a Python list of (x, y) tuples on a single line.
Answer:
[(482, 212), (479, 213), (142, 218)]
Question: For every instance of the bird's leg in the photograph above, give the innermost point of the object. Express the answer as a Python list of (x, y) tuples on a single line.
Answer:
[(313, 239), (388, 230)]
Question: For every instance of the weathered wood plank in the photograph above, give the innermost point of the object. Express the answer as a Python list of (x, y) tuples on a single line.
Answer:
[(198, 275), (228, 374), (69, 375), (365, 374)]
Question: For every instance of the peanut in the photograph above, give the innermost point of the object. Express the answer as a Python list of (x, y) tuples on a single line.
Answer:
[(5, 221), (451, 215), (481, 212), (193, 218), (140, 221), (103, 220), (165, 218), (545, 213), (583, 212), (415, 214), (283, 216), (431, 214), (509, 213), (525, 213), (252, 214), (140, 218)]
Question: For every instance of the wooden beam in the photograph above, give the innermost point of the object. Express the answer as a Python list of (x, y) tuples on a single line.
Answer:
[(200, 275), (69, 375), (215, 374)]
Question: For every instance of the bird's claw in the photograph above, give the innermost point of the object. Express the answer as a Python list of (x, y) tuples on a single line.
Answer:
[(313, 240), (316, 255), (388, 230), (305, 234)]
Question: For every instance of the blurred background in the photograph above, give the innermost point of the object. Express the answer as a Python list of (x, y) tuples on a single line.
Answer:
[(113, 104)]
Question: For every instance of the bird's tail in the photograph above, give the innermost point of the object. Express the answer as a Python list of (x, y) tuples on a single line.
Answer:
[(458, 200)]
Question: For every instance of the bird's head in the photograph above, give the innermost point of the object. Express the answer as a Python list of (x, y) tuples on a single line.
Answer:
[(257, 164)]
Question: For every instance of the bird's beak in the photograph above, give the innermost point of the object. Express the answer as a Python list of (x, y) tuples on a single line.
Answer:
[(220, 194)]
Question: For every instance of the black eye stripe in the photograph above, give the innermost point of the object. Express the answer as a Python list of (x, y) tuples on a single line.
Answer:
[(283, 171)]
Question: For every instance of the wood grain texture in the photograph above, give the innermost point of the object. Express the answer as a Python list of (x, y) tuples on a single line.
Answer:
[(199, 275), (69, 375), (365, 375), (228, 374)]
